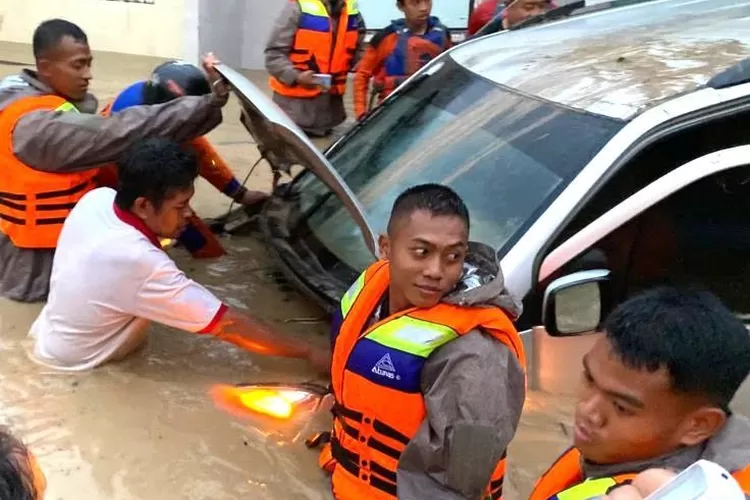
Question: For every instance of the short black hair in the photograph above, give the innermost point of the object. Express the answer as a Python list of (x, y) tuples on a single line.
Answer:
[(154, 169), (437, 199), (49, 34), (16, 476), (704, 347)]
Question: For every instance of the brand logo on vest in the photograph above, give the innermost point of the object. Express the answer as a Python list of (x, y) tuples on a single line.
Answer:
[(384, 367)]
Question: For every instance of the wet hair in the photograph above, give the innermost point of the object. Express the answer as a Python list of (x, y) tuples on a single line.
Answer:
[(704, 347), (50, 33), (16, 476), (154, 169), (437, 199)]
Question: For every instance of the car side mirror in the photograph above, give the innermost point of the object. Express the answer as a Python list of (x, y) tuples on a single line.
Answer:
[(577, 304)]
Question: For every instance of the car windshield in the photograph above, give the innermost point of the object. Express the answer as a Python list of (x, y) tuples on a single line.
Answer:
[(508, 156)]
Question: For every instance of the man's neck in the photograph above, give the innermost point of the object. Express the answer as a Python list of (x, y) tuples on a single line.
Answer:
[(417, 28)]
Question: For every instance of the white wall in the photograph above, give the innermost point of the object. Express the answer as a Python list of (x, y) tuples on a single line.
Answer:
[(145, 27)]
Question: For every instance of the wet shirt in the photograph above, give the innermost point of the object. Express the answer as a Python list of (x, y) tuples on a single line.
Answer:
[(110, 279)]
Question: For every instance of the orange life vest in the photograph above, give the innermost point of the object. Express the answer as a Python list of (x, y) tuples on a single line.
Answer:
[(375, 377), (565, 481), (34, 204), (316, 49)]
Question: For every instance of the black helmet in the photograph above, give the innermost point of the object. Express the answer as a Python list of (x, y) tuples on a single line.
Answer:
[(184, 75)]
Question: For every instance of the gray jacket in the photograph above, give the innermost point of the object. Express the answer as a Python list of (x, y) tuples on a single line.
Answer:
[(66, 142), (474, 390), (316, 116)]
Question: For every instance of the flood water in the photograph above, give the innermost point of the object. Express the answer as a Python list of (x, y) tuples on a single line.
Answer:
[(146, 428)]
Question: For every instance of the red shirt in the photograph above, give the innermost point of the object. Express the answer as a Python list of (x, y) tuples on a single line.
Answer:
[(482, 14)]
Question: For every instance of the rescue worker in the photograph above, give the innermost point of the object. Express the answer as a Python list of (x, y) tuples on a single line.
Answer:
[(54, 140), (21, 478), (111, 278), (314, 37), (399, 51), (426, 363), (656, 393), (169, 81), (507, 13)]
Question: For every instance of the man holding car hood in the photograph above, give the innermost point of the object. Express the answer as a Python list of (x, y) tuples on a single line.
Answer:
[(428, 369)]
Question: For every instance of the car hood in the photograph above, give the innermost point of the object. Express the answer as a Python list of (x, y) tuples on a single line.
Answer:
[(483, 283), (283, 144)]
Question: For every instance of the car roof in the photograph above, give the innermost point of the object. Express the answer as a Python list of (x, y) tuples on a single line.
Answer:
[(617, 62)]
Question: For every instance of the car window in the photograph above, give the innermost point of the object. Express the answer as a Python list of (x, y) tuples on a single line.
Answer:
[(684, 243), (506, 154), (656, 160)]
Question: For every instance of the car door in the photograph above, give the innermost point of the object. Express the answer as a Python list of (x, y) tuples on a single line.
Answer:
[(284, 145), (581, 263)]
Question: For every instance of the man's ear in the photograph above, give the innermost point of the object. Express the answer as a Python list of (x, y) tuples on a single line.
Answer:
[(702, 424), (384, 247), (142, 208), (43, 67)]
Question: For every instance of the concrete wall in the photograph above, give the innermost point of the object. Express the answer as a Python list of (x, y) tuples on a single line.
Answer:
[(145, 27)]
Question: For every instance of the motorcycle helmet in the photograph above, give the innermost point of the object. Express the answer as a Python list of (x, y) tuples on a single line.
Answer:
[(189, 78)]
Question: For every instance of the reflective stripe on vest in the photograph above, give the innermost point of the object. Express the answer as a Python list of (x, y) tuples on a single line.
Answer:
[(315, 48), (34, 204), (376, 382), (564, 480)]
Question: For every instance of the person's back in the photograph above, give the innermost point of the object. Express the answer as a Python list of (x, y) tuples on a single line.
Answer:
[(656, 393)]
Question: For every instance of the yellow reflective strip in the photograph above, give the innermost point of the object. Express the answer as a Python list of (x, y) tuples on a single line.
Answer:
[(587, 489), (313, 7), (413, 336), (347, 301), (353, 7), (66, 107)]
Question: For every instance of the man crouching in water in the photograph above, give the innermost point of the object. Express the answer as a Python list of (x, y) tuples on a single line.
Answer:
[(656, 393), (428, 370)]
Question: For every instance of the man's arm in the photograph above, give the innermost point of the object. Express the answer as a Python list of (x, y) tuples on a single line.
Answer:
[(213, 168), (474, 390), (362, 78), (171, 298), (56, 141), (280, 44)]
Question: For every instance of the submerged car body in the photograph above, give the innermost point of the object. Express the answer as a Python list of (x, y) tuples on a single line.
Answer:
[(544, 131)]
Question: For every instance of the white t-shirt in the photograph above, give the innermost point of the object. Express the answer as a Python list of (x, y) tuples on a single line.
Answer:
[(110, 278)]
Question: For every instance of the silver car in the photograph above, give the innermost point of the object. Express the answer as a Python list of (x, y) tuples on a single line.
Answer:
[(599, 154)]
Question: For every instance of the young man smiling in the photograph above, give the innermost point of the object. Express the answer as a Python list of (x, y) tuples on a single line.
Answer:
[(428, 370), (656, 393), (110, 277)]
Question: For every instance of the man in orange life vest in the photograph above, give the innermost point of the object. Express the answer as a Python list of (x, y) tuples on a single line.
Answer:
[(21, 478), (399, 51), (428, 369), (314, 37), (169, 81), (656, 393), (53, 142)]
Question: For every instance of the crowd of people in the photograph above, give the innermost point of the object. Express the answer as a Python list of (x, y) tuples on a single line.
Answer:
[(428, 372)]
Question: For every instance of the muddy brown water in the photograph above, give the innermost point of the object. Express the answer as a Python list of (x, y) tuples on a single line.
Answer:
[(146, 428)]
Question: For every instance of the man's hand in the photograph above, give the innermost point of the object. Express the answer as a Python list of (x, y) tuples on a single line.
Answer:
[(306, 79), (642, 486), (219, 87), (250, 197)]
